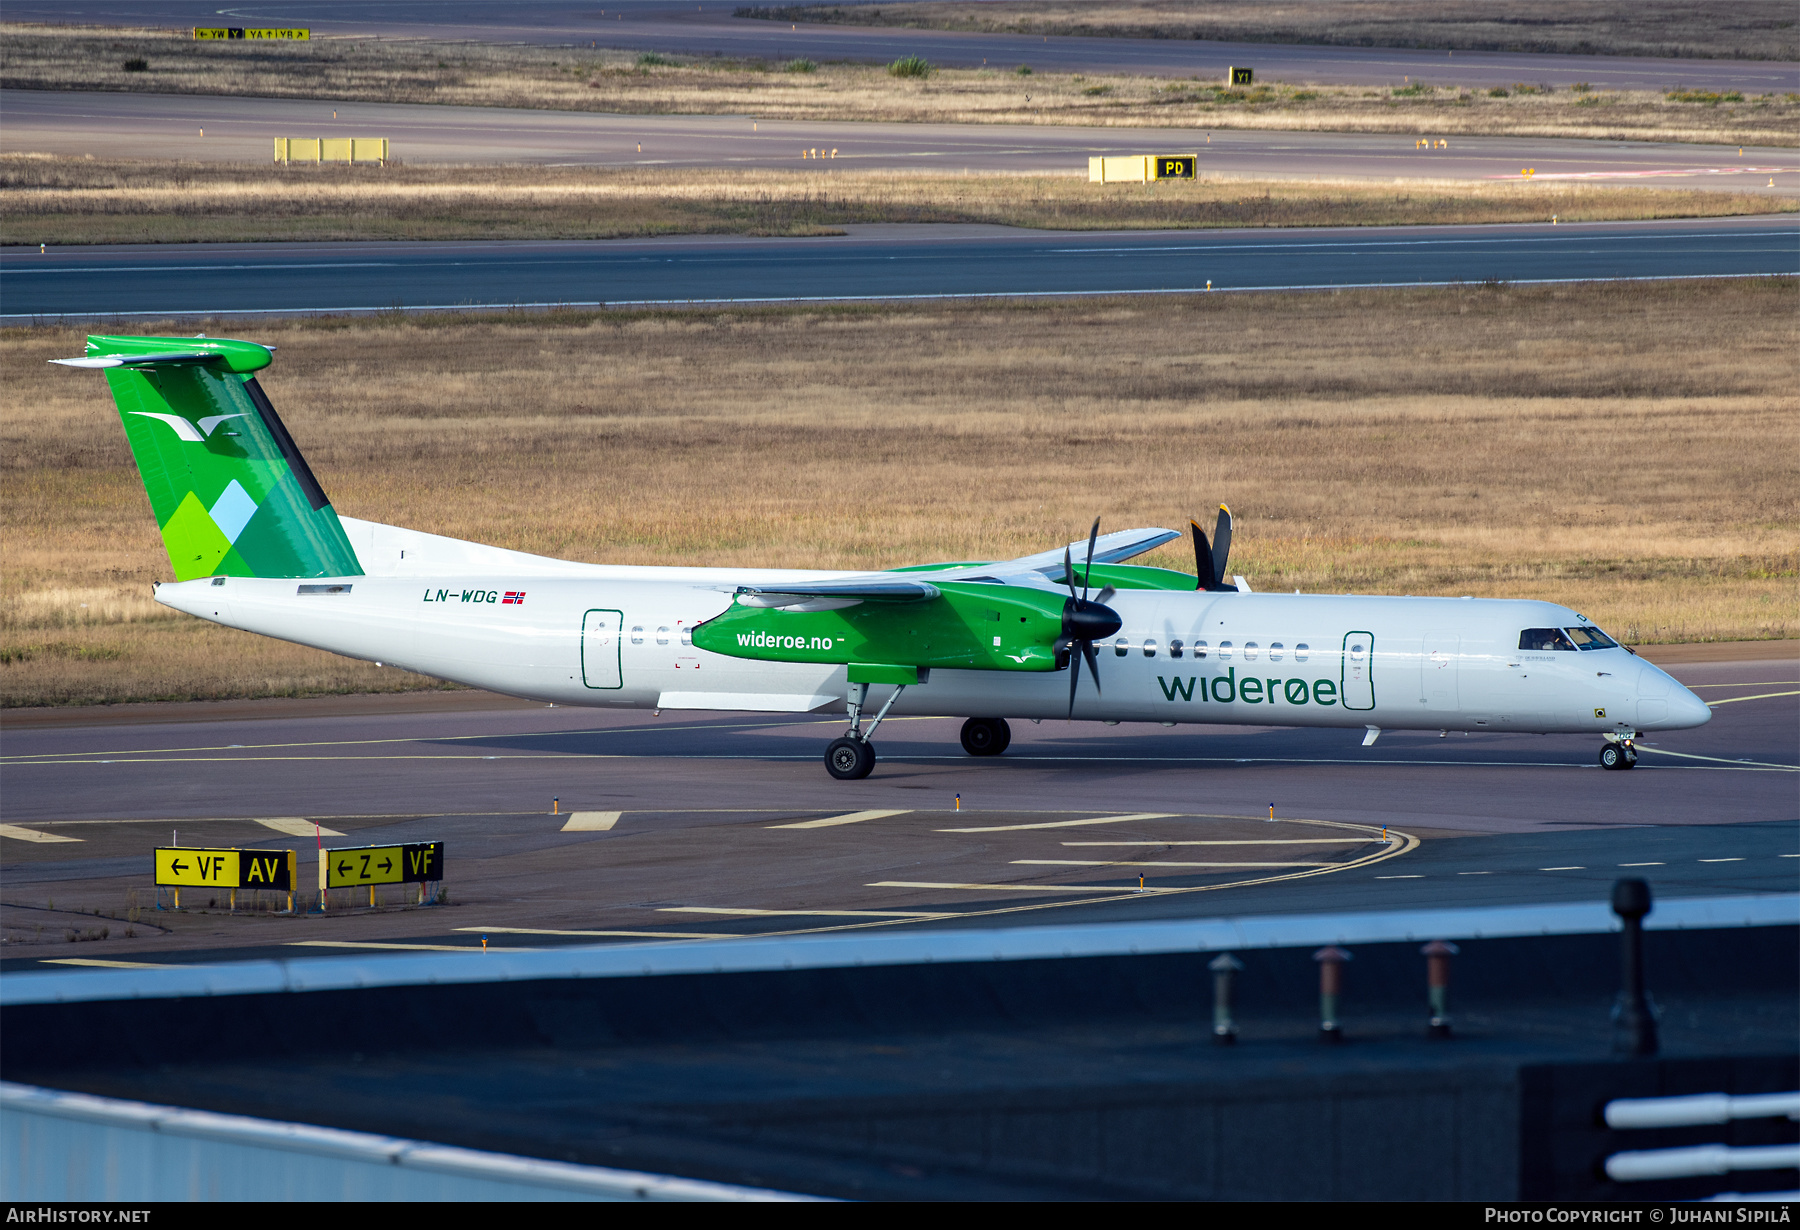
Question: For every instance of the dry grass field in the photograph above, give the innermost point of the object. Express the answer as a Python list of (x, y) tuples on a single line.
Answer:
[(1627, 449), (573, 79), (1741, 29), (46, 199)]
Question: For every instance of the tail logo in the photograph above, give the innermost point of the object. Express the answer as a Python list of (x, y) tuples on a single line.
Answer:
[(185, 429)]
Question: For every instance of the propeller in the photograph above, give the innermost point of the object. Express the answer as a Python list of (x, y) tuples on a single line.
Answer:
[(1210, 558), (1084, 621)]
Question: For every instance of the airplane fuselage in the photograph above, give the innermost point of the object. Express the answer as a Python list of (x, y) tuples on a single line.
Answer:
[(621, 637)]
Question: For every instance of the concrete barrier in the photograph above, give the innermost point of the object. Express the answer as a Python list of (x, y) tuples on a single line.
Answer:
[(73, 1146)]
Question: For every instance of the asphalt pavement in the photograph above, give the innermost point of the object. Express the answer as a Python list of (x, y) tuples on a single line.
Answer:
[(711, 29), (701, 826), (871, 262), (241, 129)]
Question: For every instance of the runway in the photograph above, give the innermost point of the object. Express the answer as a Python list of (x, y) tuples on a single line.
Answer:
[(240, 130), (709, 29), (706, 826), (871, 262)]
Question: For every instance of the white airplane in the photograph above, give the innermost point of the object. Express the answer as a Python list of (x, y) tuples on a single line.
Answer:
[(255, 544)]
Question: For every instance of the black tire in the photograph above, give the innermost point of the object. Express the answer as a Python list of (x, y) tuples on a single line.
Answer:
[(849, 760), (986, 736), (1612, 756)]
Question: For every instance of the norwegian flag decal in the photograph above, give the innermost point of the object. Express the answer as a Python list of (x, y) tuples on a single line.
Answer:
[(513, 597)]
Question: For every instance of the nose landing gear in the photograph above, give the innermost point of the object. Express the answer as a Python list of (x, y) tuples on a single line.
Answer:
[(1618, 752), (986, 736)]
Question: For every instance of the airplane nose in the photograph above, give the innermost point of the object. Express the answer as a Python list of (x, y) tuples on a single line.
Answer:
[(1689, 710), (1663, 704)]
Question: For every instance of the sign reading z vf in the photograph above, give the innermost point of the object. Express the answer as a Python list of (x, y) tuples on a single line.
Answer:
[(361, 865)]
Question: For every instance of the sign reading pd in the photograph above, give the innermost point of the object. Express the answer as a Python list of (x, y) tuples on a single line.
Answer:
[(1177, 166), (362, 865), (184, 866)]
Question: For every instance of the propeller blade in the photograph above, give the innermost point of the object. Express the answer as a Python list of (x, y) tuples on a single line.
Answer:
[(1222, 545), (1069, 572), (1087, 570), (1093, 661), (1204, 576), (1074, 679), (1104, 594)]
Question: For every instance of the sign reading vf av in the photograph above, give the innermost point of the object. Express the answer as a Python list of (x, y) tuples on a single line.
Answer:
[(185, 866), (361, 865)]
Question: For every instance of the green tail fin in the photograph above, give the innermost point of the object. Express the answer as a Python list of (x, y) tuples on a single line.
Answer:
[(232, 493)]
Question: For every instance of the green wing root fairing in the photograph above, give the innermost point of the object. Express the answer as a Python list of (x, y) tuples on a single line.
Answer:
[(230, 491), (969, 626)]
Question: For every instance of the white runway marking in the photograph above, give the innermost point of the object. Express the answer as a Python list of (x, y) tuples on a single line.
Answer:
[(407, 948), (1270, 841), (25, 834), (1073, 862), (1007, 888), (1721, 860), (96, 961), (855, 817), (1643, 864), (591, 821), (1562, 868), (702, 909), (296, 826), (636, 935), (1064, 824)]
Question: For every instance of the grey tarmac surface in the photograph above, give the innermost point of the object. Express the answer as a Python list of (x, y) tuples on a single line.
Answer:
[(241, 129), (868, 263), (704, 842), (710, 29)]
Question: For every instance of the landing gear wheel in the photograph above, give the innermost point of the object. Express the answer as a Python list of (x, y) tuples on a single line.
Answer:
[(986, 736), (1616, 756), (849, 760)]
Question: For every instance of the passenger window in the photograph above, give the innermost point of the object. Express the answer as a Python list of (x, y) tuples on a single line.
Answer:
[(662, 636), (687, 636), (1224, 651), (1249, 651), (1274, 651), (1199, 649), (1175, 648), (637, 635), (1149, 648), (1544, 638), (1591, 638), (1121, 647), (1300, 651)]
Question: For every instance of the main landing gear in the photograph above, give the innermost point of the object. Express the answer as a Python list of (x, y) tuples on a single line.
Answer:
[(1618, 752), (986, 736), (852, 757)]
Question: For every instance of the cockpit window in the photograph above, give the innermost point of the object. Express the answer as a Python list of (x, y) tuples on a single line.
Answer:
[(1591, 638), (1544, 638)]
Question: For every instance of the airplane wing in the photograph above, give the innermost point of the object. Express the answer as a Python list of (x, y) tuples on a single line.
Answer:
[(898, 587), (1113, 548), (877, 587)]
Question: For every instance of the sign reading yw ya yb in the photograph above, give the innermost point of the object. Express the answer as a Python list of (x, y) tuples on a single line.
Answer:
[(361, 865)]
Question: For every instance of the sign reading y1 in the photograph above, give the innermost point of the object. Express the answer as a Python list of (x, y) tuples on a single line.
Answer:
[(361, 865), (185, 866)]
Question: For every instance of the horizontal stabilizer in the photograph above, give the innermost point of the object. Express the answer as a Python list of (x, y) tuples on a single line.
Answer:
[(139, 360)]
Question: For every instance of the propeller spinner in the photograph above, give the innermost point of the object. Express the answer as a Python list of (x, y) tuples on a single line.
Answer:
[(1085, 621)]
